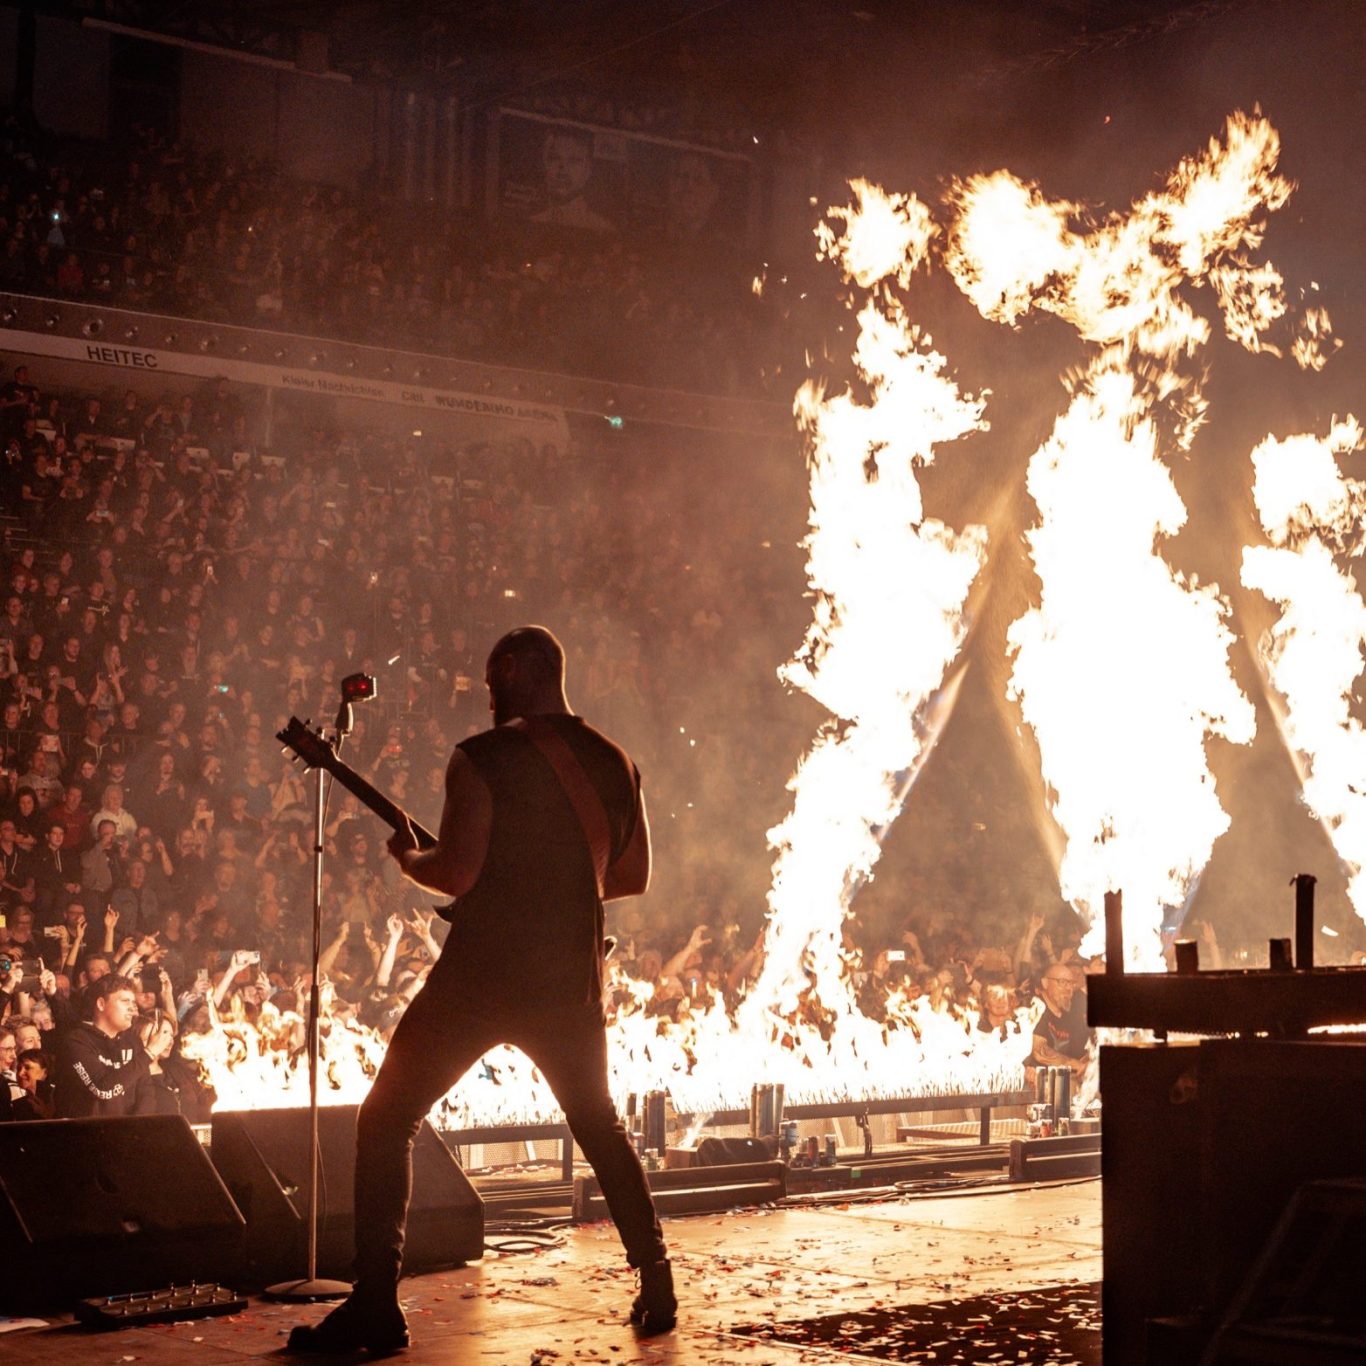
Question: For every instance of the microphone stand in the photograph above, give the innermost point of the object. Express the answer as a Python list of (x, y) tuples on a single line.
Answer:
[(313, 1287)]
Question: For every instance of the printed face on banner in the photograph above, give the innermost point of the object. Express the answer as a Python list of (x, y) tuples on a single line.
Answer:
[(570, 175), (567, 163)]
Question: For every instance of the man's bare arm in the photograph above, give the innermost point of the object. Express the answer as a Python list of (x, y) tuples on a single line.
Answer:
[(453, 865), (630, 874), (1047, 1056)]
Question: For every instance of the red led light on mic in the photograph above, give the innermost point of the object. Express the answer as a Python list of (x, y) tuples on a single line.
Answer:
[(359, 688)]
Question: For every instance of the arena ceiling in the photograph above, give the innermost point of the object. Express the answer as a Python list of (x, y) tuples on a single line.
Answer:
[(771, 55)]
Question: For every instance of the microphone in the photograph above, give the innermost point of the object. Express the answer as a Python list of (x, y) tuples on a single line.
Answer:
[(354, 688)]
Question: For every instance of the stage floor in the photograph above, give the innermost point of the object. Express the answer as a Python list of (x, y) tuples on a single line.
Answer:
[(923, 1279)]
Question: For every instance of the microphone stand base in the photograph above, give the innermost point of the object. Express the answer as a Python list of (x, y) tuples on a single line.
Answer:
[(308, 1290)]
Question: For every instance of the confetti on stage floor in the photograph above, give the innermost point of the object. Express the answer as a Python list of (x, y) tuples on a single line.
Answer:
[(1056, 1325)]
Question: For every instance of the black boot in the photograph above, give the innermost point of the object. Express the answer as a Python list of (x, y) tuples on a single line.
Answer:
[(656, 1307), (359, 1321)]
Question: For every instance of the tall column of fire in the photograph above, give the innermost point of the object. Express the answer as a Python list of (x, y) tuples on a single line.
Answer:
[(1122, 668), (890, 585)]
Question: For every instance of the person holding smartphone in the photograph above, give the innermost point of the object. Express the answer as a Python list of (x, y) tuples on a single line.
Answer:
[(543, 821)]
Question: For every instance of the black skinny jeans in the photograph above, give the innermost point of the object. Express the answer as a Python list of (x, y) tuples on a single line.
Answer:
[(440, 1037)]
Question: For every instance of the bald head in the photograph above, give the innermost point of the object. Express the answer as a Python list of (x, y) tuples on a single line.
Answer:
[(525, 674), (536, 651)]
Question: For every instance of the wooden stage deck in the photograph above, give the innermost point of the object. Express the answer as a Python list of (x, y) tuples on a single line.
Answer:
[(745, 1269)]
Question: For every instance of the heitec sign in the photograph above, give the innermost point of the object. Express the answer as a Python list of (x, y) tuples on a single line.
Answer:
[(547, 420), (122, 355)]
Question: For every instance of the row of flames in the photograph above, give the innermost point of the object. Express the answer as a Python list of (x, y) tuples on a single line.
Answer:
[(1122, 734)]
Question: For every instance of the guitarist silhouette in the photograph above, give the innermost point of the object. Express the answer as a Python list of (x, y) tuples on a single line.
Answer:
[(544, 820)]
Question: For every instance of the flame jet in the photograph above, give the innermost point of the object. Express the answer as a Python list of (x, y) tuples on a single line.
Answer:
[(890, 587), (1312, 655), (1122, 669)]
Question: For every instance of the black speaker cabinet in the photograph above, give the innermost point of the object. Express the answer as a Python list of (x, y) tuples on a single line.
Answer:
[(1277, 1114), (103, 1206), (1150, 1206), (1204, 1147), (262, 1156)]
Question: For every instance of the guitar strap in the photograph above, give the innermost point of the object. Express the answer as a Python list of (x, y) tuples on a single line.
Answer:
[(578, 787)]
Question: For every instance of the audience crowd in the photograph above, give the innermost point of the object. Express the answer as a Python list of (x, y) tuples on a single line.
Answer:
[(171, 230), (166, 607)]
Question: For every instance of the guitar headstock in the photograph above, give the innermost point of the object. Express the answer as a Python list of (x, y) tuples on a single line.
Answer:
[(307, 745)]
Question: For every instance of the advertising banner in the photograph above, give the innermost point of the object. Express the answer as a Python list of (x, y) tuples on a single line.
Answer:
[(564, 174), (540, 422)]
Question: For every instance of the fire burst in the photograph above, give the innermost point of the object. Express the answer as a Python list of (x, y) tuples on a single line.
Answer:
[(890, 588), (1312, 656), (1122, 669)]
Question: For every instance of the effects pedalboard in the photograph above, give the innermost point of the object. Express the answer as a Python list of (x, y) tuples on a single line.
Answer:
[(197, 1301)]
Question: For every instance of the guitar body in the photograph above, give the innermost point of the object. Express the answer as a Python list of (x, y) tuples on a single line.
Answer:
[(309, 747)]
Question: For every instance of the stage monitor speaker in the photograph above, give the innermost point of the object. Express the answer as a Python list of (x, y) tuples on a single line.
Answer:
[(1150, 1195), (104, 1206), (262, 1156), (1204, 1147), (1277, 1113)]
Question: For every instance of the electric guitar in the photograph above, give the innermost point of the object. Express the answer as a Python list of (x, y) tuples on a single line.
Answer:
[(315, 752)]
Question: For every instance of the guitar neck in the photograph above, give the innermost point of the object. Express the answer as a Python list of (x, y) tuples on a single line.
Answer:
[(317, 753), (389, 812)]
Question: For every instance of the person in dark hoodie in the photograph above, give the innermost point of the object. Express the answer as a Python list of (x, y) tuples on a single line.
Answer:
[(39, 1099), (104, 1067)]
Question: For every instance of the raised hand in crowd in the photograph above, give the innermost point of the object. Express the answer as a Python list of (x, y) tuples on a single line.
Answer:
[(371, 945), (329, 955), (697, 941), (915, 955), (238, 963), (132, 954), (111, 921), (11, 980), (384, 967), (749, 964), (423, 925)]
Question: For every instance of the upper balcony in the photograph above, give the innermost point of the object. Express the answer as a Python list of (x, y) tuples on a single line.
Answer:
[(85, 344)]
